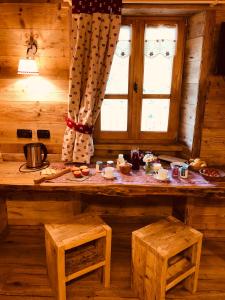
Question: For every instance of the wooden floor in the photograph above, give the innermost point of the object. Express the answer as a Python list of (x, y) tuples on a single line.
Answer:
[(23, 274)]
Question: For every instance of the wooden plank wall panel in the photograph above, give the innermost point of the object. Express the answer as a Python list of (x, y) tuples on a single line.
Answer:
[(38, 102), (206, 61), (27, 89), (208, 216), (40, 208), (30, 16), (213, 139), (125, 206), (193, 54)]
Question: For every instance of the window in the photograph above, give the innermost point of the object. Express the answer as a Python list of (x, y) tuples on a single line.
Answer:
[(143, 90)]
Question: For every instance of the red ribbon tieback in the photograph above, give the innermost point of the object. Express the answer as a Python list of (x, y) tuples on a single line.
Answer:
[(86, 129)]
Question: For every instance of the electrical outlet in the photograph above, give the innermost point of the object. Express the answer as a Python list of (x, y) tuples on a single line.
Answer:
[(43, 134), (24, 133)]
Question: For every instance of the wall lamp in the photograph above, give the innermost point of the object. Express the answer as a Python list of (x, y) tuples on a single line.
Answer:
[(28, 65)]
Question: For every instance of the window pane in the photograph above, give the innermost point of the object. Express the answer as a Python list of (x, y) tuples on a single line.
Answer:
[(114, 115), (155, 114), (118, 78), (159, 50)]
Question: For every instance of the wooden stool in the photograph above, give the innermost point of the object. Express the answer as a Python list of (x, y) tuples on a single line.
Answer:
[(75, 249), (163, 254)]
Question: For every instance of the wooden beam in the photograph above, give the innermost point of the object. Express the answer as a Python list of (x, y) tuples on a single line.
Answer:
[(206, 62)]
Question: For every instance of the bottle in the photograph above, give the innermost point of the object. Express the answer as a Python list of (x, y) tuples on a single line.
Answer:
[(135, 160), (120, 160), (99, 166)]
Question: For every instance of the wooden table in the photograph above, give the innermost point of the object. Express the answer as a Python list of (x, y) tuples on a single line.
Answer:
[(137, 184), (13, 183)]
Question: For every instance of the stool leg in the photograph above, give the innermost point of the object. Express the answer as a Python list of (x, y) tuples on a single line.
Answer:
[(107, 267), (155, 277), (61, 274), (138, 266), (191, 282), (55, 263)]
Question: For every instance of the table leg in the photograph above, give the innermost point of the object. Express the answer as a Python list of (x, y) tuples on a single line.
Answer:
[(189, 209), (3, 216), (183, 209)]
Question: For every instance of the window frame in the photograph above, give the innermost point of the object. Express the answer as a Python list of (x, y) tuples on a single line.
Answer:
[(136, 74)]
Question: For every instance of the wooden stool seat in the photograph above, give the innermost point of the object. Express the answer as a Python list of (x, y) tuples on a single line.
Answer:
[(86, 227), (168, 236), (163, 254), (75, 249)]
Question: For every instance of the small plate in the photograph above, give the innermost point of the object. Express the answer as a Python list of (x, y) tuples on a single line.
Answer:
[(80, 178), (106, 177), (156, 177)]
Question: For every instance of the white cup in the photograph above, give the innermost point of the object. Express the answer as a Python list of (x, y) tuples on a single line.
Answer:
[(162, 174), (109, 172), (156, 167)]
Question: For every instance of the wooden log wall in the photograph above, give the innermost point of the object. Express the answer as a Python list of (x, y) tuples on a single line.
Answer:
[(207, 215), (44, 207), (128, 214), (38, 102), (33, 102), (204, 214), (213, 136), (191, 79), (41, 102)]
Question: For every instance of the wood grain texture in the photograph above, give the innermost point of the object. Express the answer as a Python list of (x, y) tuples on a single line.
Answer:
[(62, 241), (213, 146), (34, 208), (208, 219), (15, 181), (23, 270), (40, 102), (199, 49), (206, 61), (191, 79), (41, 105), (28, 204), (3, 215), (30, 16), (158, 243)]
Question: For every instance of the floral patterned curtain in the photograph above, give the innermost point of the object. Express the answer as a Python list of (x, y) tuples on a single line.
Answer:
[(95, 30)]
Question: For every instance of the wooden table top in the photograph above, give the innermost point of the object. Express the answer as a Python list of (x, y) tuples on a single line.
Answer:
[(138, 183)]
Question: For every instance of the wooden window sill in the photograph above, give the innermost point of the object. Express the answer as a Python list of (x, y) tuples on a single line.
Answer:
[(141, 146)]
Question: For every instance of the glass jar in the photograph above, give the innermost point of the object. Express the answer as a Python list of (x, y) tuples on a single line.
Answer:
[(148, 167)]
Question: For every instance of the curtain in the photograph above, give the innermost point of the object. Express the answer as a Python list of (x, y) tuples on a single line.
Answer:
[(94, 34)]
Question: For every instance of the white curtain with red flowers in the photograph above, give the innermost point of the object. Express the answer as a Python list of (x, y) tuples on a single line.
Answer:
[(95, 30)]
